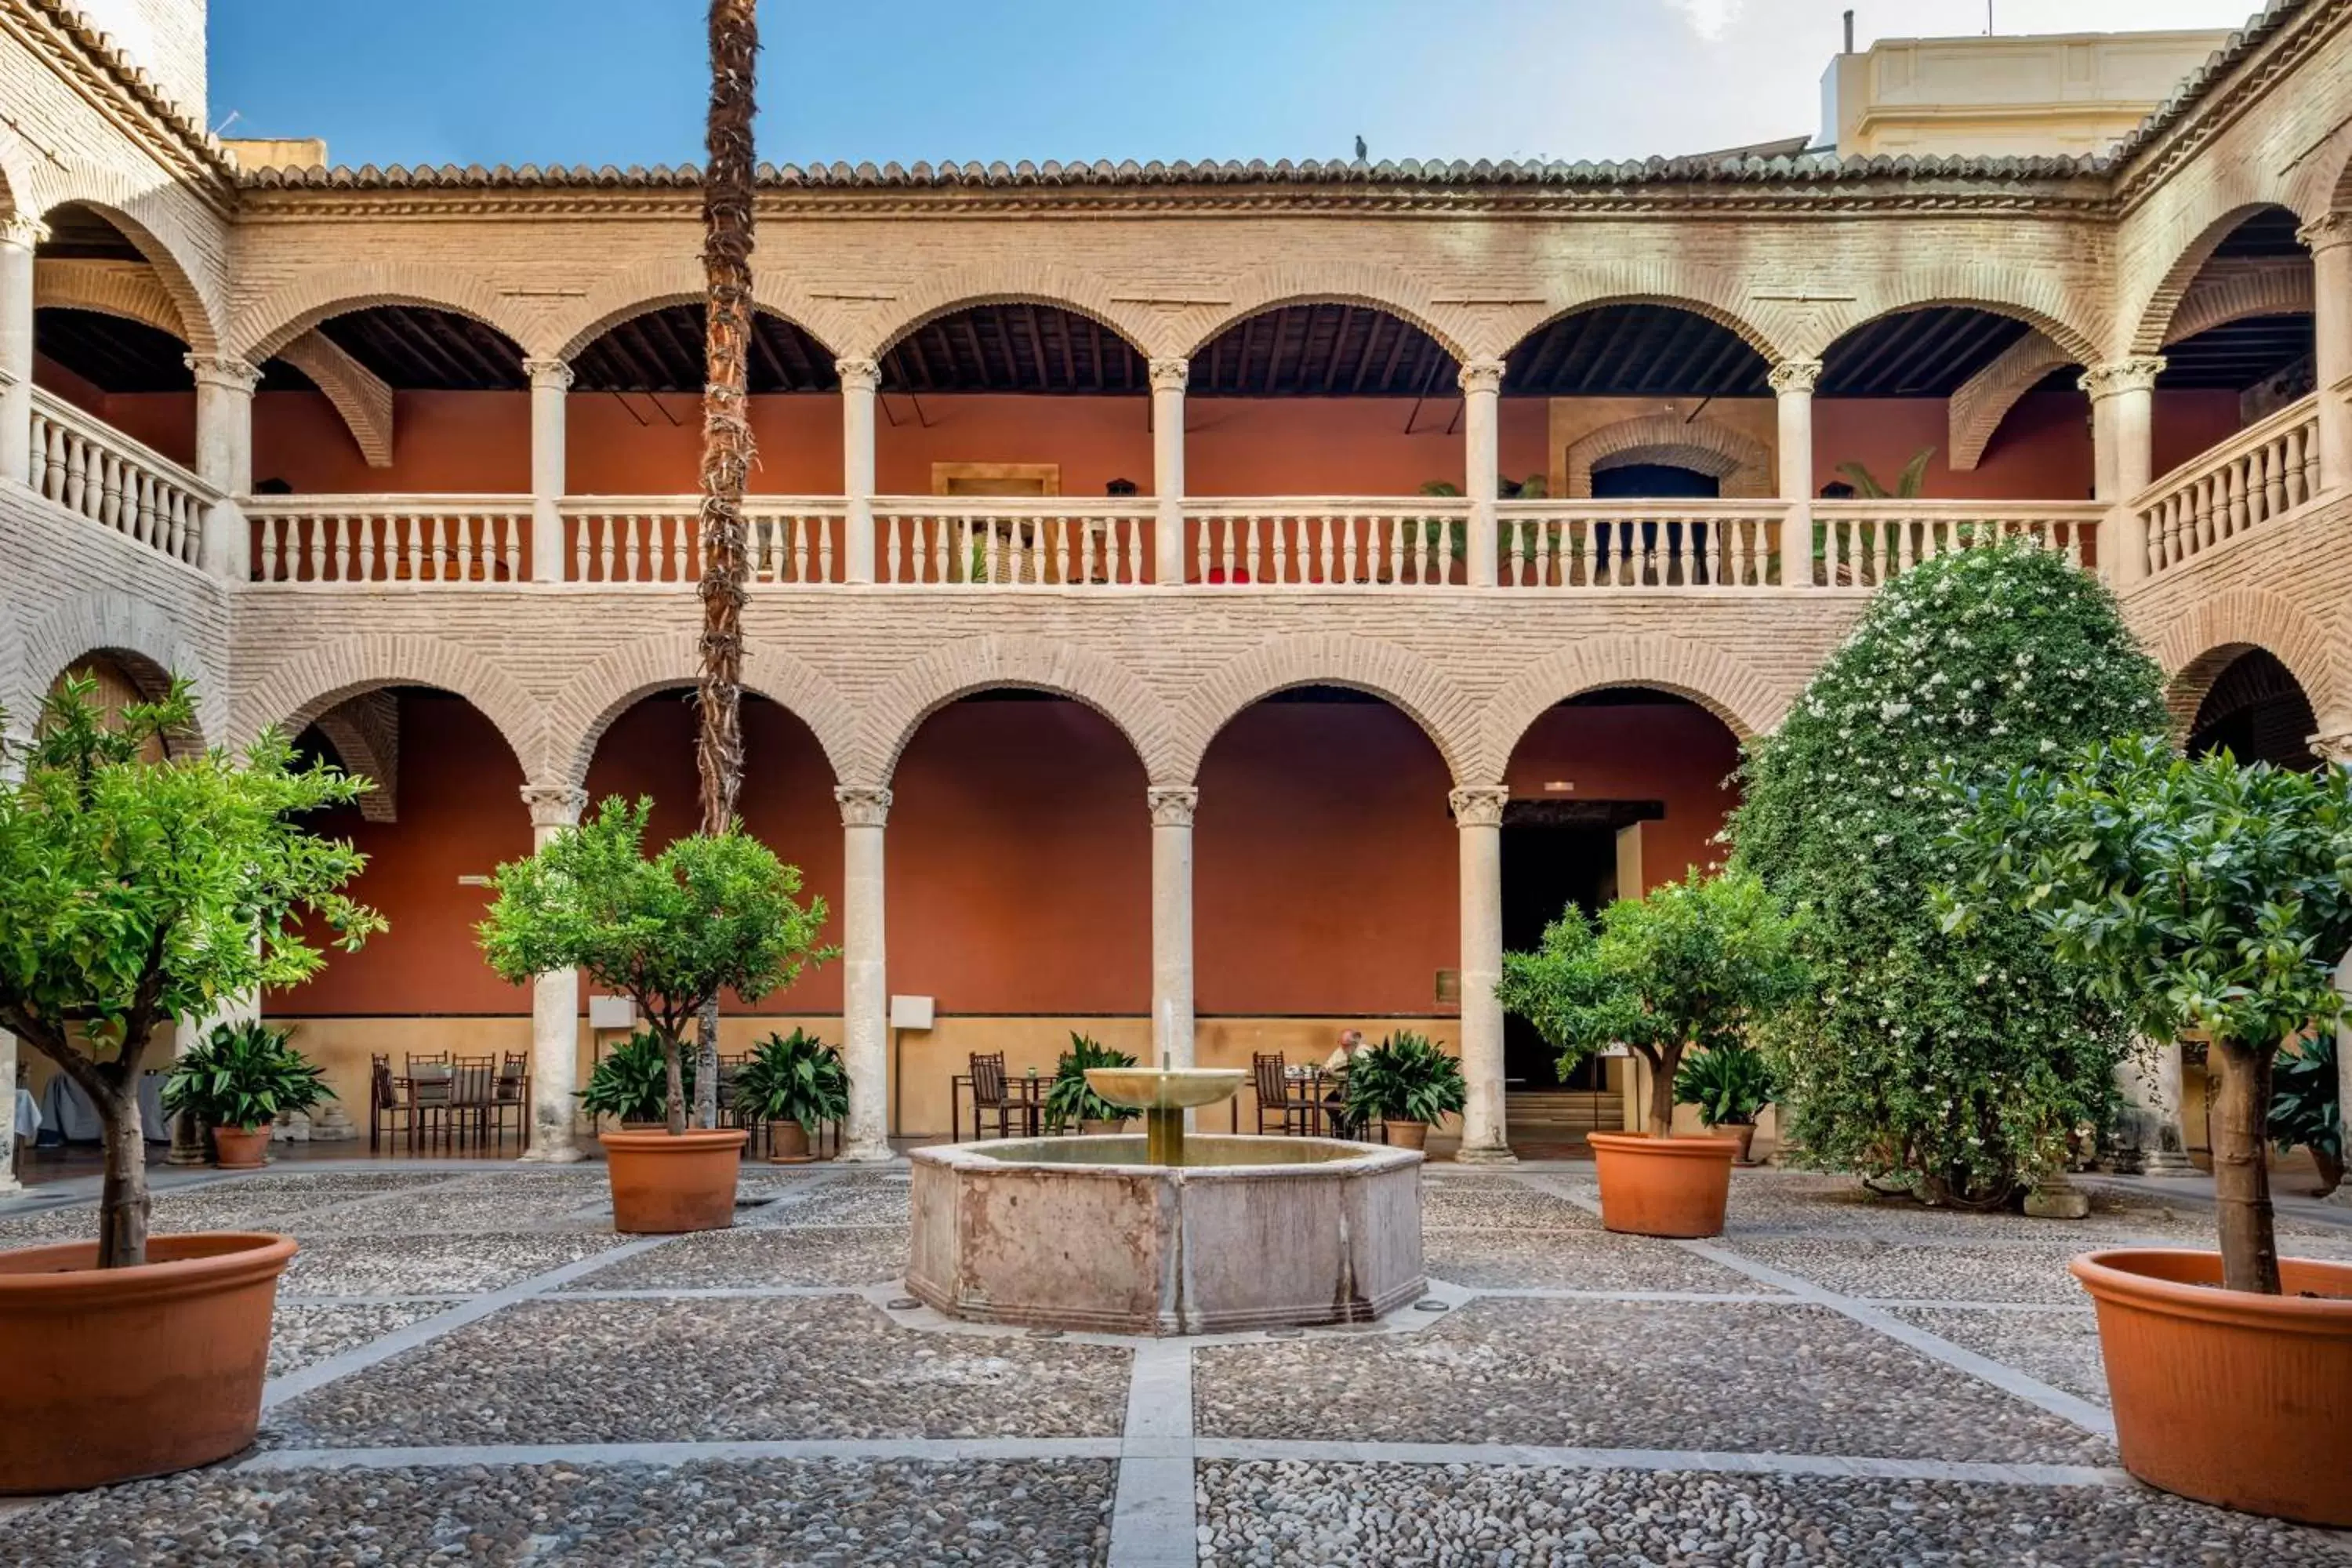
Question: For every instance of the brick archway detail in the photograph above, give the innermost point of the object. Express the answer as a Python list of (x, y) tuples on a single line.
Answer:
[(1973, 416), (1404, 680), (2196, 645), (2231, 293), (1707, 292), (2032, 295), (652, 285), (1019, 278), (2151, 319), (893, 714), (105, 621), (1192, 329), (296, 691), (1741, 462), (312, 295), (1730, 689), (609, 687)]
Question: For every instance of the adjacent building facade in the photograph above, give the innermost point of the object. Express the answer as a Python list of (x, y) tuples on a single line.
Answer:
[(1201, 606)]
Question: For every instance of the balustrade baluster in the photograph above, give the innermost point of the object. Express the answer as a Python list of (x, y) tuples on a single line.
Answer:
[(2237, 521), (57, 471), (2274, 479), (2296, 490)]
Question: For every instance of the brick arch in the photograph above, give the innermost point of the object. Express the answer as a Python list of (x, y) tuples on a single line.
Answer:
[(1404, 680), (2196, 645), (678, 280), (312, 295), (1727, 687), (1714, 293), (365, 734), (105, 621), (1743, 463), (1367, 283), (894, 713), (609, 687), (358, 394), (124, 289), (1975, 411), (154, 230), (1018, 278), (2031, 295), (2232, 294), (306, 685), (2151, 318)]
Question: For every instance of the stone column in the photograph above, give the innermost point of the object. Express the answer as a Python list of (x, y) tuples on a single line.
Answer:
[(1478, 816), (1172, 923), (550, 384), (2123, 411), (1792, 382), (865, 983), (1169, 379), (2330, 240), (8, 1182), (225, 459), (1481, 397), (555, 1007), (859, 377), (18, 237), (2148, 1134)]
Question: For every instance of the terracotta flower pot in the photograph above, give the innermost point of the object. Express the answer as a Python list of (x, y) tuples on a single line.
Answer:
[(1742, 1136), (1408, 1134), (240, 1148), (1099, 1129), (118, 1373), (664, 1183), (788, 1143), (2224, 1395), (1662, 1186)]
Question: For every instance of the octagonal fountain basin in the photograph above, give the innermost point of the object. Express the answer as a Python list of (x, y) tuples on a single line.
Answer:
[(1249, 1233)]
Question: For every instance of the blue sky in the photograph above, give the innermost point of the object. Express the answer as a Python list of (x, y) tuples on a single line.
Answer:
[(619, 81)]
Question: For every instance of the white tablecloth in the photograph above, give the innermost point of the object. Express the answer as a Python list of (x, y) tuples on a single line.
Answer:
[(68, 1114), (28, 1115)]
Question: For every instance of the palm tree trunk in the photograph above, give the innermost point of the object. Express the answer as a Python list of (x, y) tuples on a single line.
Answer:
[(726, 445)]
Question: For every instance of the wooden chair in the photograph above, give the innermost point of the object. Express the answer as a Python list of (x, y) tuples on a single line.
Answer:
[(1297, 1112), (424, 1093), (386, 1111), (473, 1086), (991, 1093), (511, 1095)]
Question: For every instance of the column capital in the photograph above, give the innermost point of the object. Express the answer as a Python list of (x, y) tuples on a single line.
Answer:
[(1171, 805), (1480, 805), (2137, 374), (863, 805), (225, 370), (21, 232), (2335, 749), (2328, 232), (554, 805), (1481, 375), (554, 374), (1170, 375), (859, 374), (1792, 375)]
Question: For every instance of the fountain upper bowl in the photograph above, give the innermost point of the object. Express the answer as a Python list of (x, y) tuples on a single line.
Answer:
[(1165, 1088)]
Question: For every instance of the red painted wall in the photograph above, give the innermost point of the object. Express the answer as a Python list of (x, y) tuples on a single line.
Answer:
[(1677, 753)]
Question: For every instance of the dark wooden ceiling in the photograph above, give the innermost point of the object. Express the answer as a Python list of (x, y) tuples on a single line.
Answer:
[(1323, 351), (77, 233), (661, 351), (1915, 353), (2239, 354), (2268, 232), (417, 348), (116, 354), (1634, 351), (1015, 347)]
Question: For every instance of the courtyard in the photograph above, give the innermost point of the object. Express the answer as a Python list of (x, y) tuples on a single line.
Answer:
[(470, 1366)]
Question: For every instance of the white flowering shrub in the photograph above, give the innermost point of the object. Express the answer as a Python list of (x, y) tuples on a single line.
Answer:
[(1954, 1065)]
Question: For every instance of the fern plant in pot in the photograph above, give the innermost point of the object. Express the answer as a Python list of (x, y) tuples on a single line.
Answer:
[(795, 1083), (1730, 1084), (1070, 1099), (238, 1080), (631, 1085), (1407, 1082)]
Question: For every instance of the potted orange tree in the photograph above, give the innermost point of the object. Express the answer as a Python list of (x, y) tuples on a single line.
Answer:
[(137, 886), (1693, 964), (710, 913), (2199, 894)]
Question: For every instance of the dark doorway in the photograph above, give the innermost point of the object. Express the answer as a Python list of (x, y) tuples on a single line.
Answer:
[(1654, 481), (1556, 853)]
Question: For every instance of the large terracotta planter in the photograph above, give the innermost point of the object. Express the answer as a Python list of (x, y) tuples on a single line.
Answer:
[(664, 1183), (112, 1373), (1662, 1186), (2227, 1396), (241, 1148)]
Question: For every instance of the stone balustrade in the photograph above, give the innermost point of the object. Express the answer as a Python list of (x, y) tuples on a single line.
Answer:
[(100, 474), (1862, 543), (657, 539), (2262, 473), (1588, 544), (1008, 542), (443, 539)]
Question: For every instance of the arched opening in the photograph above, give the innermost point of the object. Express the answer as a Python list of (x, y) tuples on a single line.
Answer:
[(2240, 345), (126, 372), (2257, 712), (1902, 389), (120, 677), (1613, 792), (1326, 880), (1019, 892), (633, 423)]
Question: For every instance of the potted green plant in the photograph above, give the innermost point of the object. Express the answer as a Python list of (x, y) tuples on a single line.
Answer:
[(1407, 1082), (631, 1084), (1730, 1084), (2199, 894), (1069, 1099), (795, 1083), (709, 913), (142, 881), (1695, 964), (239, 1079), (2304, 1106)]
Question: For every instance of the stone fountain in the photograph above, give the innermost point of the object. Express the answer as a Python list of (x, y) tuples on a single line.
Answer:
[(1175, 1232)]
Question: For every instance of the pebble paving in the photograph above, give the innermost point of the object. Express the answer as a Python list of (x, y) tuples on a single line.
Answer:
[(985, 1447)]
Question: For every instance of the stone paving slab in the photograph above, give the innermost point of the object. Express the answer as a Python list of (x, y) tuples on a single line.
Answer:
[(1312, 1514), (989, 1514), (304, 1334), (1571, 1259), (859, 1200), (2062, 1349), (1798, 1380), (555, 1370), (461, 1211), (1901, 1271), (750, 1257), (430, 1265), (1496, 1203)]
